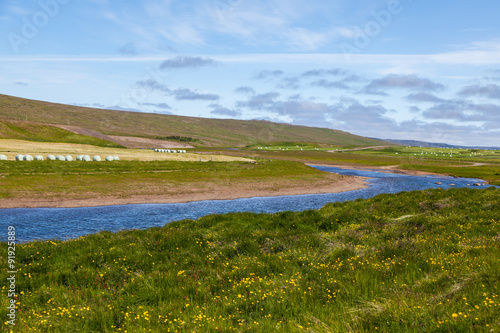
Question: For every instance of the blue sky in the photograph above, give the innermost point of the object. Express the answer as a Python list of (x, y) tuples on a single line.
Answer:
[(400, 69)]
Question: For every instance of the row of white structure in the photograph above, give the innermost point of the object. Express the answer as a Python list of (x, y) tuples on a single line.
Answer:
[(68, 158), (170, 151)]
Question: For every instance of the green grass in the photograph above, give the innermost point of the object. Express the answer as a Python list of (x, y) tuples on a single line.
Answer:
[(387, 156), (459, 164), (429, 155), (73, 180), (175, 170), (10, 129), (320, 156), (410, 262), (210, 132), (454, 162), (490, 173), (284, 145)]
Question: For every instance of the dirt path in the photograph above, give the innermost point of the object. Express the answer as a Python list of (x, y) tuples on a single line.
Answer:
[(470, 165)]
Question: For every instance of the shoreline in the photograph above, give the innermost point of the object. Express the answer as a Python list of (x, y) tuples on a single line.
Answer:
[(347, 183), (227, 192)]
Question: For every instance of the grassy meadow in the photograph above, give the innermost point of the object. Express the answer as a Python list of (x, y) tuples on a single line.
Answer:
[(426, 261), (63, 181), (468, 163), (12, 147), (311, 155), (456, 156)]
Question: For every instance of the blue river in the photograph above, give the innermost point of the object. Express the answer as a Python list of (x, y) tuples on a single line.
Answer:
[(66, 223)]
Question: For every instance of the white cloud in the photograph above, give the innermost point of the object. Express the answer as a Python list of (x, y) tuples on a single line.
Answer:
[(486, 57), (258, 23), (476, 54), (6, 19), (100, 2), (18, 10), (304, 39), (183, 33), (346, 32)]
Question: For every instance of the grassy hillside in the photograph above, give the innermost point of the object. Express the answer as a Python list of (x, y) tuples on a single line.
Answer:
[(23, 130), (424, 261), (211, 132)]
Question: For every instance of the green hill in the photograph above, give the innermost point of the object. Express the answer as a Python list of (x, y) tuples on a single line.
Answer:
[(203, 132)]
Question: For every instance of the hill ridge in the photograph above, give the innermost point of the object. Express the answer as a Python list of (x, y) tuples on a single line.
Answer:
[(208, 131)]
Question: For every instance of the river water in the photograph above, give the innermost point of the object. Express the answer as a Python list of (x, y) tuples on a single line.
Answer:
[(65, 223)]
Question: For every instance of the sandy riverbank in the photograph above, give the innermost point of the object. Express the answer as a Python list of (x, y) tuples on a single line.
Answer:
[(330, 184)]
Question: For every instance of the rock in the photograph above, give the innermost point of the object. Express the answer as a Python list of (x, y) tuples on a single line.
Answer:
[(438, 183), (439, 205)]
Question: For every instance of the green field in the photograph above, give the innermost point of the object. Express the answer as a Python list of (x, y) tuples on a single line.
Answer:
[(265, 146), (459, 156), (312, 156), (426, 261), (382, 155), (56, 180), (469, 163)]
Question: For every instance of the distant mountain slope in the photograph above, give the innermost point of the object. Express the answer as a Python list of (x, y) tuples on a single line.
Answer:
[(204, 132), (415, 143)]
